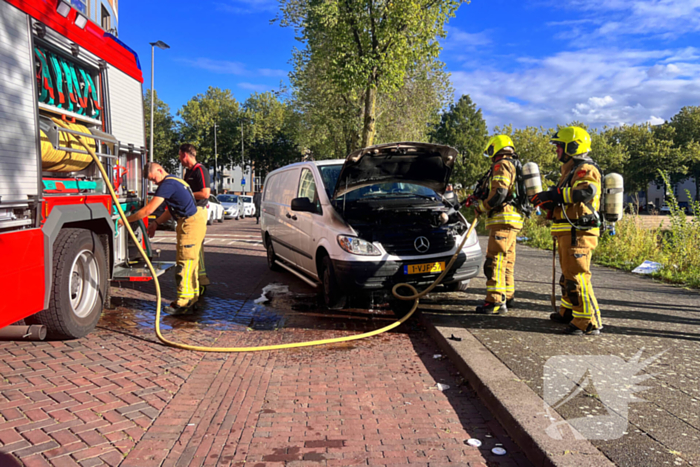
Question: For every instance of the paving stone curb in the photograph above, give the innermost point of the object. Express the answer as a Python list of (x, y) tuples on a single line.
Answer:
[(517, 407)]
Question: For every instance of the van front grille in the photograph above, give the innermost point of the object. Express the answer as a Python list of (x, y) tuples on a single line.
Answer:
[(404, 244)]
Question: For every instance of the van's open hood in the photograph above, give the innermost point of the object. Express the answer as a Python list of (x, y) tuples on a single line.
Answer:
[(429, 165)]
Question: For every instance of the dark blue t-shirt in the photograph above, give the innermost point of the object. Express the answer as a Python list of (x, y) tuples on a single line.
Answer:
[(178, 197)]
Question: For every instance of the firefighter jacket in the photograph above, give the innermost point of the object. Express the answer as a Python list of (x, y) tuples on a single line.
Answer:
[(580, 185), (498, 203)]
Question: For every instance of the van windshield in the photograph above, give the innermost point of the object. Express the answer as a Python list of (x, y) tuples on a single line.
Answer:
[(227, 198), (247, 199), (330, 174)]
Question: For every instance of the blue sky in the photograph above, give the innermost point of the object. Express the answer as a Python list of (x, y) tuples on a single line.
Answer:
[(536, 63)]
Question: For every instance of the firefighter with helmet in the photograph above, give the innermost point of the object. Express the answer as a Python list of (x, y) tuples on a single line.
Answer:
[(573, 205), (503, 222)]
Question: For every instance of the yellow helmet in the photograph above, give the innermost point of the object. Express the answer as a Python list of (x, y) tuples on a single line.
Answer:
[(497, 143), (576, 140)]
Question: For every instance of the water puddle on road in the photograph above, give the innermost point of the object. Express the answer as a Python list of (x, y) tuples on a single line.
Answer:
[(282, 309)]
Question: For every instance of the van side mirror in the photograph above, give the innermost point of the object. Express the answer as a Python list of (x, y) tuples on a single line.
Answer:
[(303, 205)]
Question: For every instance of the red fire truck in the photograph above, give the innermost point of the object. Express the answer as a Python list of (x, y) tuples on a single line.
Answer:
[(59, 242)]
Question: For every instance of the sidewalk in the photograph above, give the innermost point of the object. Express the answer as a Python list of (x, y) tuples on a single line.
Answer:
[(639, 315)]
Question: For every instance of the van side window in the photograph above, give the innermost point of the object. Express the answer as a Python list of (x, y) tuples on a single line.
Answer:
[(266, 192), (307, 188)]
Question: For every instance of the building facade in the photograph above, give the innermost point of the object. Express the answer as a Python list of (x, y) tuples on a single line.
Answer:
[(104, 13), (237, 180)]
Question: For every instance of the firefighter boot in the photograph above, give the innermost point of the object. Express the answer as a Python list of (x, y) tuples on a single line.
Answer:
[(510, 303), (575, 331), (489, 308), (564, 316), (179, 307)]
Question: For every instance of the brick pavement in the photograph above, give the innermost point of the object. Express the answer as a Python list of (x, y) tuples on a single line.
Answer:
[(118, 397)]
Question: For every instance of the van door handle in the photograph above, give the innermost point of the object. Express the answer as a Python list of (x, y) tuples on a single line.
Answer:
[(294, 217)]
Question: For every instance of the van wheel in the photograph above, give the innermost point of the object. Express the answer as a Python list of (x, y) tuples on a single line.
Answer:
[(271, 257), (209, 220), (459, 286), (333, 297), (79, 285), (401, 307), (220, 219)]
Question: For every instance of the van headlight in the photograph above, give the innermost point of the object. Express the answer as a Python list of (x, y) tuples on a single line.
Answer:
[(357, 246)]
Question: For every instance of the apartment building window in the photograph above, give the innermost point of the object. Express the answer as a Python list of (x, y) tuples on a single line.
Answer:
[(106, 21)]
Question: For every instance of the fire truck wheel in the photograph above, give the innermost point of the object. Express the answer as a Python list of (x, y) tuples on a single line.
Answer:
[(79, 285)]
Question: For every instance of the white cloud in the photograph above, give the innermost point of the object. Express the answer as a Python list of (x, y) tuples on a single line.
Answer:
[(597, 86), (246, 6), (272, 73), (254, 87), (216, 66), (224, 67), (458, 39), (663, 70), (665, 19), (655, 120)]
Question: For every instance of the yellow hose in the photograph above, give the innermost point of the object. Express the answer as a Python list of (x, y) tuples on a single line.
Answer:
[(56, 160), (178, 345)]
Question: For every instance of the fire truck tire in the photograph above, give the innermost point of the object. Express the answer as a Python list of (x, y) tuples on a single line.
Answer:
[(79, 286)]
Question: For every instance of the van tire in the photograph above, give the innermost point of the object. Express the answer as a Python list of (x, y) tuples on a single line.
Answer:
[(271, 256), (209, 220), (332, 296), (401, 307), (459, 286), (78, 255)]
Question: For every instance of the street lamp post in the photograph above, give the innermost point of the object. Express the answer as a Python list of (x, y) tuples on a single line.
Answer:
[(216, 163), (161, 45)]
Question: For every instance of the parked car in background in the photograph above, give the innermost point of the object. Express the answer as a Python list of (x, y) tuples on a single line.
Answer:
[(665, 209), (215, 211), (686, 207), (249, 207), (358, 226), (232, 204)]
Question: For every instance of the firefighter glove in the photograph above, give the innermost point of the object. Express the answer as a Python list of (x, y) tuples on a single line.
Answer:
[(548, 199), (470, 201)]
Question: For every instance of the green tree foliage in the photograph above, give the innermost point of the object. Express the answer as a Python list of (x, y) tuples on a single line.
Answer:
[(165, 132), (648, 152), (687, 126), (198, 117), (462, 126), (366, 47), (270, 133), (532, 145)]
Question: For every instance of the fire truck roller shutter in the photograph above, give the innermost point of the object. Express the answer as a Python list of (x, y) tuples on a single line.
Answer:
[(125, 108), (56, 160), (18, 147)]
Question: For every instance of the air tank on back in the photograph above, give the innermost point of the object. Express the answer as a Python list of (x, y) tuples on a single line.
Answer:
[(614, 197), (532, 179)]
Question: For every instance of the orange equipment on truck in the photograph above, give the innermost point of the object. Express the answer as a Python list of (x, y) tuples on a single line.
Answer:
[(59, 242)]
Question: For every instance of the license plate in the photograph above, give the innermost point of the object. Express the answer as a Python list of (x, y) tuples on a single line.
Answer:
[(425, 268)]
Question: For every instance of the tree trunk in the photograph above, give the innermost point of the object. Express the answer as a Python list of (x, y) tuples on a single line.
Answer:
[(368, 129)]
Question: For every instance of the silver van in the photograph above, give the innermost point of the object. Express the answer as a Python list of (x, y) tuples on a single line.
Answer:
[(363, 224)]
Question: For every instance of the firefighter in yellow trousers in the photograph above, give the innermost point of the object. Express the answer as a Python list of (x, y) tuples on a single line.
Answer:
[(574, 204), (503, 222), (191, 229)]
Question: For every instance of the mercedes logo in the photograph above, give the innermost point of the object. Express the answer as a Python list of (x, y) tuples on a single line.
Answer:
[(421, 244)]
